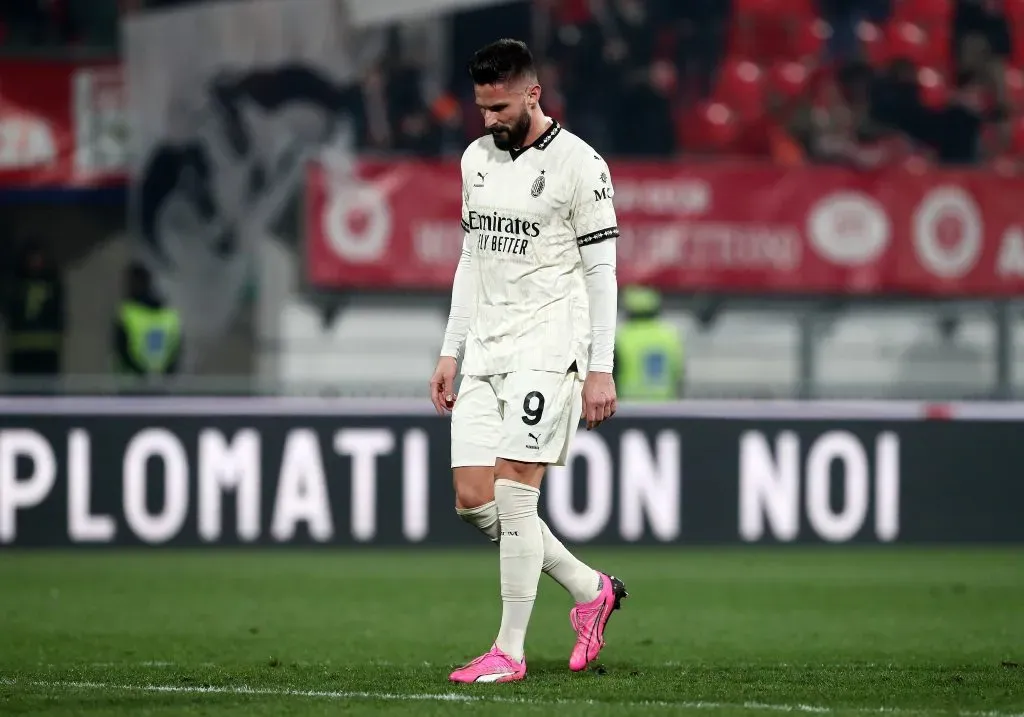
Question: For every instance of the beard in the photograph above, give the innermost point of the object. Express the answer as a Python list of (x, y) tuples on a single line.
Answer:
[(508, 137)]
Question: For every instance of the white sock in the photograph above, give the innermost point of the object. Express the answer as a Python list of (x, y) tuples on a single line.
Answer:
[(579, 579), (485, 518), (522, 555)]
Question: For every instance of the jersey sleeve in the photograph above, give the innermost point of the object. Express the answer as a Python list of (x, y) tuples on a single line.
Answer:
[(593, 214), (462, 287)]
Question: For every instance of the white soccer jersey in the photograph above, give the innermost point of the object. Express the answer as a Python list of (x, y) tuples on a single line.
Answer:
[(526, 214)]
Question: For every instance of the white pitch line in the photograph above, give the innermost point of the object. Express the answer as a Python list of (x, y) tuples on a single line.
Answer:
[(244, 690), (144, 663)]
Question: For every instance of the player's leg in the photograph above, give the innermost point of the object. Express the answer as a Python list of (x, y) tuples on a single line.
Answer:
[(475, 504), (476, 424), (551, 406), (581, 581), (524, 447), (537, 407), (521, 549), (597, 594), (479, 422), (521, 553), (476, 427), (474, 498)]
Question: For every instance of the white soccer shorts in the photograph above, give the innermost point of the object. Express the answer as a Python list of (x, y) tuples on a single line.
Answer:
[(527, 416)]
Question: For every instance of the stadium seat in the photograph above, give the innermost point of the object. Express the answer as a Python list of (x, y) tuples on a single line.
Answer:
[(1014, 78), (759, 8), (775, 8), (741, 86), (788, 79), (742, 352), (1017, 137), (933, 89), (1013, 10), (938, 48), (809, 37), (764, 30), (1017, 43), (924, 12), (901, 348), (749, 30), (758, 137), (872, 42), (709, 127), (906, 40), (380, 345), (572, 12), (796, 8)]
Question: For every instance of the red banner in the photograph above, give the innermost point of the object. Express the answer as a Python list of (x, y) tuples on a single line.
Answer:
[(62, 124), (713, 228)]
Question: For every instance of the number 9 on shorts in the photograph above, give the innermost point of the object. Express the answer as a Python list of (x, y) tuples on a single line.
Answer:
[(528, 416)]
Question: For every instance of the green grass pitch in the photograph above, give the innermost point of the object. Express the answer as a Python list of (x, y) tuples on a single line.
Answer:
[(873, 631)]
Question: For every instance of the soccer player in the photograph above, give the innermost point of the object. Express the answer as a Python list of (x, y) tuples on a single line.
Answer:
[(533, 317)]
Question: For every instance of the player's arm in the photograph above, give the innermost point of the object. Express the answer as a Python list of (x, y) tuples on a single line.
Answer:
[(462, 287), (596, 228), (442, 383), (462, 301)]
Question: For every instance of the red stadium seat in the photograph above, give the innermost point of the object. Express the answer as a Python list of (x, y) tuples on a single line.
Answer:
[(1017, 137), (933, 88), (764, 30), (710, 127), (1017, 43), (742, 38), (803, 9), (1014, 78), (741, 86), (753, 138), (906, 40), (798, 8), (938, 47), (810, 36), (789, 79), (872, 40), (924, 12), (1013, 10), (753, 7)]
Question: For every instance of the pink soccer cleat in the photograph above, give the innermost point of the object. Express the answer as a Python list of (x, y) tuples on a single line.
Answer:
[(494, 666), (589, 620)]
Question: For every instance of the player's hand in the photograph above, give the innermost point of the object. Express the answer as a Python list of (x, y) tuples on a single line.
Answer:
[(599, 400), (442, 385)]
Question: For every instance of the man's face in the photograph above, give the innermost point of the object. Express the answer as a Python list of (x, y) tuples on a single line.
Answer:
[(506, 112)]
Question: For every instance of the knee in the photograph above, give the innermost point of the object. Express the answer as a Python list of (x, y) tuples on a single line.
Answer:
[(473, 491), (469, 498), (528, 473)]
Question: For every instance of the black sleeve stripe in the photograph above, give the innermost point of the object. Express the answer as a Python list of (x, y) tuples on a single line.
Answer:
[(598, 236), (465, 226)]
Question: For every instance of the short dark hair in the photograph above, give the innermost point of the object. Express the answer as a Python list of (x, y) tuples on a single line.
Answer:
[(500, 62)]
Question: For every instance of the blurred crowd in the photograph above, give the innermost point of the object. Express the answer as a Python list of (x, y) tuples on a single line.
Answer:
[(859, 82)]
